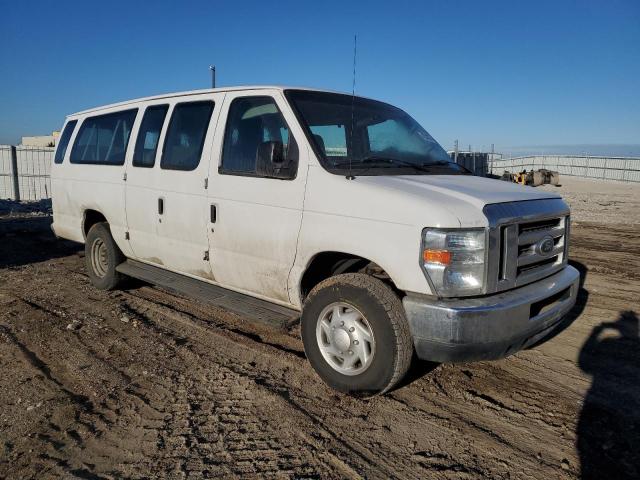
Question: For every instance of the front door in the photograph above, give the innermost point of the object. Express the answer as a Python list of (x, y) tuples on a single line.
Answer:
[(254, 220)]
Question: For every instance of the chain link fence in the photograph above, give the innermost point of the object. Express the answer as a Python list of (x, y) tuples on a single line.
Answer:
[(626, 169), (25, 172)]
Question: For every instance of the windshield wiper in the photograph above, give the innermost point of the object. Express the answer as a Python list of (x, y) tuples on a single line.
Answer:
[(423, 167), (390, 162)]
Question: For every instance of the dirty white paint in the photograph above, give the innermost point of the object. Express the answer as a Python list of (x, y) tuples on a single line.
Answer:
[(267, 230)]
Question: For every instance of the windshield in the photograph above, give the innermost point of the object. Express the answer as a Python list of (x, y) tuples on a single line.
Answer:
[(367, 137)]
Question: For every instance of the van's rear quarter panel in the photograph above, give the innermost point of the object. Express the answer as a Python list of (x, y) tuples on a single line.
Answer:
[(77, 188)]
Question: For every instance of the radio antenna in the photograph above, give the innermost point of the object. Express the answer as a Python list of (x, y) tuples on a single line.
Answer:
[(353, 98), (213, 75)]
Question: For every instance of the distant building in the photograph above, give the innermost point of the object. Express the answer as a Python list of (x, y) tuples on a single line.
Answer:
[(41, 140)]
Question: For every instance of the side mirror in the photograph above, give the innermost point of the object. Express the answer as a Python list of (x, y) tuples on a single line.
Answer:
[(270, 160)]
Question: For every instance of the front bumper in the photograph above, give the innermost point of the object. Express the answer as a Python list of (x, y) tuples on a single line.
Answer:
[(490, 327)]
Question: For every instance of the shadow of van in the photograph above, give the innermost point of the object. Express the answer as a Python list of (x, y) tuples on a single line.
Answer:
[(27, 240)]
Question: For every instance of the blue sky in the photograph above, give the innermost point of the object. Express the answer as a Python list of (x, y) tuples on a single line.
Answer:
[(511, 73)]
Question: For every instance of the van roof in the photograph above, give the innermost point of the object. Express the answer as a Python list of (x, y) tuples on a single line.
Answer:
[(196, 92)]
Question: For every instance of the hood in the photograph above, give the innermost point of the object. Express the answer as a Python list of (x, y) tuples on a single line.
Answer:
[(447, 201), (477, 191)]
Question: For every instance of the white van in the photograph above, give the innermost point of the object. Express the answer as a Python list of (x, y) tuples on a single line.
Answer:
[(273, 201)]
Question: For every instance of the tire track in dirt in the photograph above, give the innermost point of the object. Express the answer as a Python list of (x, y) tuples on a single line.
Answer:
[(346, 440), (181, 431), (202, 333)]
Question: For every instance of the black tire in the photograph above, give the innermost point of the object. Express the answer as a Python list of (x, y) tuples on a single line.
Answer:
[(102, 273), (385, 315)]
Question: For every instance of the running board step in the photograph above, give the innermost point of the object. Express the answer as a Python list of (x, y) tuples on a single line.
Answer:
[(250, 308)]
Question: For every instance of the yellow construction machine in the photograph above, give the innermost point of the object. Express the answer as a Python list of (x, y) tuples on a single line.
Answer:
[(532, 178)]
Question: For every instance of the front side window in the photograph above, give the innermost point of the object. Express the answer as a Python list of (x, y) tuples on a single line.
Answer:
[(185, 136), (103, 140), (367, 137), (255, 130), (64, 141), (147, 143)]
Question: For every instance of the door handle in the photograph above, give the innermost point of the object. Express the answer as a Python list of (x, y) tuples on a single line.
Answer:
[(213, 214), (160, 206)]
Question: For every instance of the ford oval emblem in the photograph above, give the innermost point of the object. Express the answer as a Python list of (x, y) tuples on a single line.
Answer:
[(545, 246)]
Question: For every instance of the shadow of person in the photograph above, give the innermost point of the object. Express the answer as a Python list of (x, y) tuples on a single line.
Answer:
[(608, 433)]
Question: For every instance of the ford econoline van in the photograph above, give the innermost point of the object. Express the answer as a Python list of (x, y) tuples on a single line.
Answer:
[(285, 203)]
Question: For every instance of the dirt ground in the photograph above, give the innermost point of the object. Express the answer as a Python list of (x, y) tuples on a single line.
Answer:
[(598, 201), (140, 383)]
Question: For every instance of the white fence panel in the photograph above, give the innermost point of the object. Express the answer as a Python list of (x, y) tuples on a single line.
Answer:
[(632, 175), (614, 174), (34, 172), (6, 179), (604, 168), (34, 169), (597, 162), (632, 164), (620, 163)]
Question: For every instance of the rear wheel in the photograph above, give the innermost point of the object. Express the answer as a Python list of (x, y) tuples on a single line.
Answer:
[(102, 256), (356, 335)]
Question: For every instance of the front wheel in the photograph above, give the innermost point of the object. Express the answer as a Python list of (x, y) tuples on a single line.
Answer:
[(356, 335)]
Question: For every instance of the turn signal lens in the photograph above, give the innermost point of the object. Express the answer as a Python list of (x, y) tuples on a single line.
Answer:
[(442, 257), (454, 260)]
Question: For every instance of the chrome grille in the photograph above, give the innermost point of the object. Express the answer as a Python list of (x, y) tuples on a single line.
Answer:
[(532, 263), (517, 232)]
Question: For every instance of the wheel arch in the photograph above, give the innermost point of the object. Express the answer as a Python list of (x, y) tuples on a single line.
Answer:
[(326, 264), (89, 218)]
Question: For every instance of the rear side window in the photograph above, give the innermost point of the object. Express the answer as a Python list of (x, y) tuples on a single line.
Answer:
[(185, 136), (148, 136), (64, 141), (103, 140)]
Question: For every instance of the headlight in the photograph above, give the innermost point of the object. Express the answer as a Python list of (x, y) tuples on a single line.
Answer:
[(454, 260)]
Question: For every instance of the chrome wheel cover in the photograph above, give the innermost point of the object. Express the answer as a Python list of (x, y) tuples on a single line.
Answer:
[(345, 338), (99, 258)]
